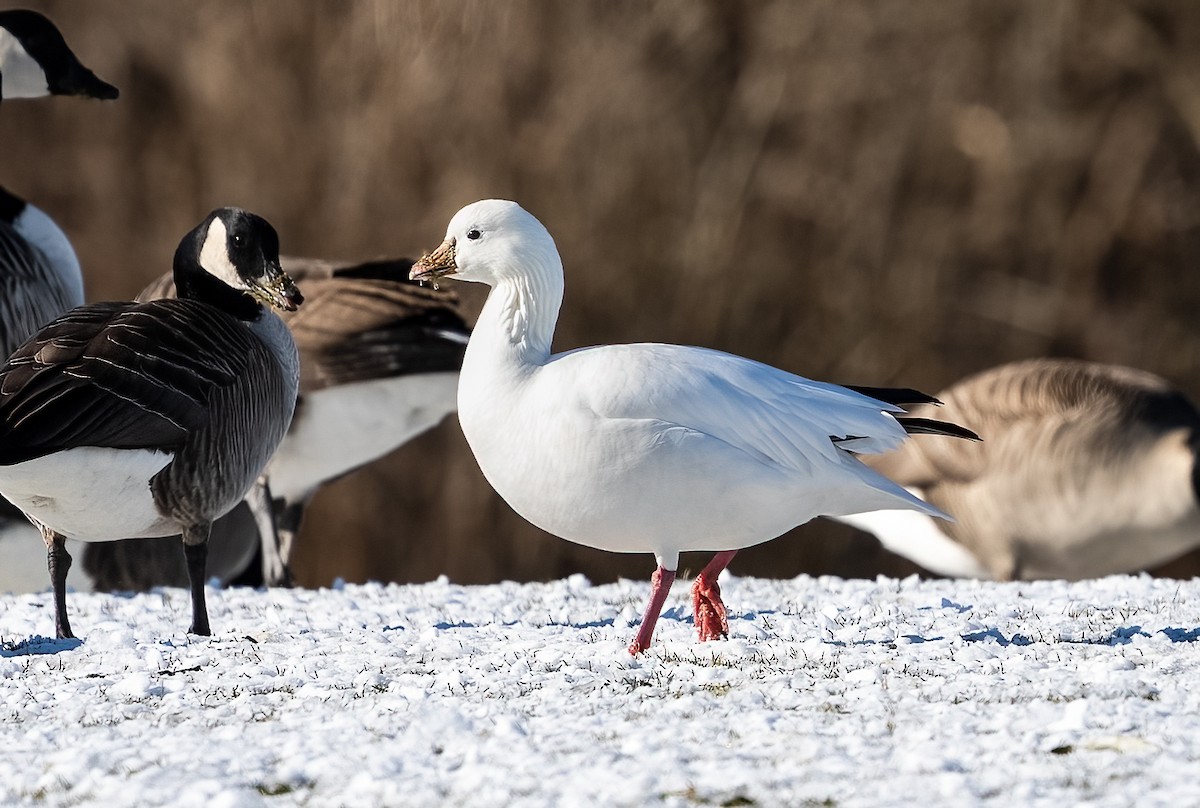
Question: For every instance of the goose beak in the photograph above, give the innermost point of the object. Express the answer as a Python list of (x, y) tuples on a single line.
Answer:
[(96, 87), (277, 289), (436, 264), (81, 81)]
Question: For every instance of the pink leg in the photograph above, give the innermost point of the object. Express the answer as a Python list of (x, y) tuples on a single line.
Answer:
[(709, 611), (660, 587)]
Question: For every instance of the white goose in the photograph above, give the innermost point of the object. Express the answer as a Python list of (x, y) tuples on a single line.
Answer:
[(152, 419), (35, 61), (1088, 470), (647, 447)]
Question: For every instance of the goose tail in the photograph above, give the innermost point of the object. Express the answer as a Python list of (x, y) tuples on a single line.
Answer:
[(929, 426)]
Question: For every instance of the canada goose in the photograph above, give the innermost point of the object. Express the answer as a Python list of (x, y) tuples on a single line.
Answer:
[(35, 61), (39, 272), (1086, 470), (379, 361), (152, 419), (648, 447)]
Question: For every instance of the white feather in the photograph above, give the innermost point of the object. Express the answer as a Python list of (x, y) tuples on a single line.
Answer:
[(99, 478), (918, 538)]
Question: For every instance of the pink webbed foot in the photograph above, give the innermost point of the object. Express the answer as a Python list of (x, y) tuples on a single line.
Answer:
[(709, 611), (707, 608)]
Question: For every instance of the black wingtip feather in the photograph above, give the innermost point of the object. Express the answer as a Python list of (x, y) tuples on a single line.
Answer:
[(928, 426), (899, 396)]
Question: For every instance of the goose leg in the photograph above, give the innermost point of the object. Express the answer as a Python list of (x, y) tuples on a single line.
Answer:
[(274, 564), (195, 551), (289, 525), (709, 611), (59, 562), (660, 587)]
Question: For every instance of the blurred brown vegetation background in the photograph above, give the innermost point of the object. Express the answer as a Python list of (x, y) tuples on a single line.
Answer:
[(863, 192)]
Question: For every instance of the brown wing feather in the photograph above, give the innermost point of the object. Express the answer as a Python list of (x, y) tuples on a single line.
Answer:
[(1036, 396)]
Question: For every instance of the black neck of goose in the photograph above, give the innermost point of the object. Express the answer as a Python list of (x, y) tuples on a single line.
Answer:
[(1194, 443), (10, 206), (192, 282)]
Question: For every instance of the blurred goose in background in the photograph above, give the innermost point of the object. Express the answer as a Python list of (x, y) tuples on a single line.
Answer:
[(39, 273), (1087, 470), (152, 419), (40, 279), (648, 447), (40, 276), (379, 361), (36, 61)]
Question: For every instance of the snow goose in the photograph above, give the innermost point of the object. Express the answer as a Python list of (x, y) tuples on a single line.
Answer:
[(1088, 470), (648, 447), (379, 361), (152, 419), (36, 61)]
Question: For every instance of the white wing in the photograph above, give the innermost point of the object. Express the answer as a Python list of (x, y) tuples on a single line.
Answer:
[(775, 416)]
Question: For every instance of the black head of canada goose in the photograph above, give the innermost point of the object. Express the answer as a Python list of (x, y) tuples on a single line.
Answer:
[(379, 362), (36, 61), (1087, 470), (154, 419)]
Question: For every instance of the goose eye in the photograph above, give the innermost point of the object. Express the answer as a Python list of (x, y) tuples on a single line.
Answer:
[(473, 234), (238, 239)]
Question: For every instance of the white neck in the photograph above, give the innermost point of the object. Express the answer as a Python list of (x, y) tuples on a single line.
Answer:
[(20, 75), (518, 320), (40, 231)]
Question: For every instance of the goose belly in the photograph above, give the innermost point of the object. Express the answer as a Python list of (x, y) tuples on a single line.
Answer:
[(91, 493), (338, 429), (917, 537), (1109, 552), (638, 486)]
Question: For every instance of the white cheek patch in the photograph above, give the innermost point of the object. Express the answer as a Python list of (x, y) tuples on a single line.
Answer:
[(20, 75), (214, 256)]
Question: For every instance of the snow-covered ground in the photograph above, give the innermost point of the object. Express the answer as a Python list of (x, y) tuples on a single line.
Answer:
[(828, 693)]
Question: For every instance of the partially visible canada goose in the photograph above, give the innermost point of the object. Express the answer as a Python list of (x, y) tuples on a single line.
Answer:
[(379, 362), (1085, 470), (152, 419), (649, 448), (36, 61), (39, 273)]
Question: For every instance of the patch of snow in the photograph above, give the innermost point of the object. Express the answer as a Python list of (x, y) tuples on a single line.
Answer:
[(828, 691)]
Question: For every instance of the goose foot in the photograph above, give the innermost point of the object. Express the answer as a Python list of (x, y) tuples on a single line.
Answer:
[(660, 587), (707, 607)]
